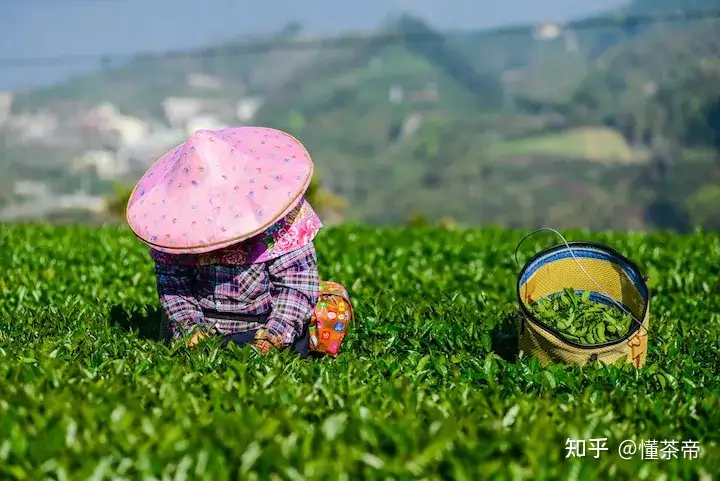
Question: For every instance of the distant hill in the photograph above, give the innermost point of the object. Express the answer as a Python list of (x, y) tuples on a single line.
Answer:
[(138, 86), (358, 103), (661, 84), (551, 68), (644, 7), (522, 126)]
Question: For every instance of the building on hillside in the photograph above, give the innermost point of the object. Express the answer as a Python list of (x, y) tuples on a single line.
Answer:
[(30, 189), (43, 207), (26, 210), (396, 94), (410, 125), (92, 125), (204, 122), (547, 31), (101, 113), (82, 201), (142, 155), (248, 108), (28, 128), (178, 110), (650, 89), (128, 131), (201, 81), (116, 130), (6, 101), (107, 165)]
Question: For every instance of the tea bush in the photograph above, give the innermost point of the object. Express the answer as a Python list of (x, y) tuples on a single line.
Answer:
[(425, 386)]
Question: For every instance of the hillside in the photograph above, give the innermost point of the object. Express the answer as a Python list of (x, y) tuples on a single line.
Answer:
[(549, 65), (461, 176), (411, 119), (354, 108), (644, 7), (139, 85), (659, 84)]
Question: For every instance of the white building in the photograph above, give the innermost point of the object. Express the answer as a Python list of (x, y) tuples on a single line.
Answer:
[(203, 82), (178, 110), (104, 163), (205, 122), (143, 154), (6, 100), (129, 130), (32, 127), (548, 31), (122, 130), (247, 108), (30, 188), (411, 124), (396, 94)]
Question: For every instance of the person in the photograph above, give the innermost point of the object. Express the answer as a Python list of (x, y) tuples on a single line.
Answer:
[(232, 237)]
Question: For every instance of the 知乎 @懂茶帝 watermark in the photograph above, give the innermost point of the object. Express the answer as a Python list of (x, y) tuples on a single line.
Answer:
[(629, 449)]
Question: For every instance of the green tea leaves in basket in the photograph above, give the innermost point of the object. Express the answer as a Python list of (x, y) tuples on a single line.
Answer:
[(580, 320)]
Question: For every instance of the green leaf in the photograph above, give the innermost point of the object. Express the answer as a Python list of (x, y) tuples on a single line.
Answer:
[(333, 425)]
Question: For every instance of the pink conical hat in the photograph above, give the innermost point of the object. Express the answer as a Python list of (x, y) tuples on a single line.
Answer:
[(219, 188)]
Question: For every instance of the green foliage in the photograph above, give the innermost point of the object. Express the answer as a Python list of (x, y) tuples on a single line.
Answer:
[(704, 207), (419, 38), (417, 219), (321, 198), (645, 7), (665, 83), (117, 202), (598, 144), (580, 320), (420, 390)]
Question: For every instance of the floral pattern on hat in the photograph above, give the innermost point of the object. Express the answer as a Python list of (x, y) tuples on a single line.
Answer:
[(294, 231)]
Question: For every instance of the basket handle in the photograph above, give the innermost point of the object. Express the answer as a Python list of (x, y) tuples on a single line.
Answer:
[(527, 236)]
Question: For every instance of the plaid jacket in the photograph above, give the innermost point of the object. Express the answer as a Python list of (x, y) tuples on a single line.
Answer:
[(283, 290)]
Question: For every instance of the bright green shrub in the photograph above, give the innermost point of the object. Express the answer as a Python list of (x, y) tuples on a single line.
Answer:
[(420, 390)]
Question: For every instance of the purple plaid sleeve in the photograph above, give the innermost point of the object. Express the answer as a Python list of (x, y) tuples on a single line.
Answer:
[(174, 285), (295, 289)]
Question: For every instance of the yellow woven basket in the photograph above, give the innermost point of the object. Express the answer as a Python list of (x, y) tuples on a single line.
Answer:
[(610, 277)]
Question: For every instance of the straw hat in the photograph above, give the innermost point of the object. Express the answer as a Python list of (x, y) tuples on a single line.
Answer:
[(219, 188)]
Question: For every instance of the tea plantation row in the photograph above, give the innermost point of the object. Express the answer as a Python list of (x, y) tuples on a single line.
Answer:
[(423, 389)]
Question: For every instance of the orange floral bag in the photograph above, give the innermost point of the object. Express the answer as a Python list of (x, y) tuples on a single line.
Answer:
[(331, 318)]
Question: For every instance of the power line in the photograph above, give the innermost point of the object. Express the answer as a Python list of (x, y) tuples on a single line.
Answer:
[(75, 1), (249, 47)]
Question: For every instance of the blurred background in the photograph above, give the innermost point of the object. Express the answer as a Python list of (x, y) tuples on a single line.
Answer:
[(602, 114)]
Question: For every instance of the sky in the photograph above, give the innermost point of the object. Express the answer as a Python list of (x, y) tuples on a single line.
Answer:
[(51, 28)]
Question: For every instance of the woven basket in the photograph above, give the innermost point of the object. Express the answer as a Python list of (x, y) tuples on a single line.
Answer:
[(558, 267)]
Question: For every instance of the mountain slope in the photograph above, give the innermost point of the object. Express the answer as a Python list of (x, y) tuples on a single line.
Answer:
[(407, 52), (249, 67), (644, 7), (411, 119), (350, 106), (657, 85)]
